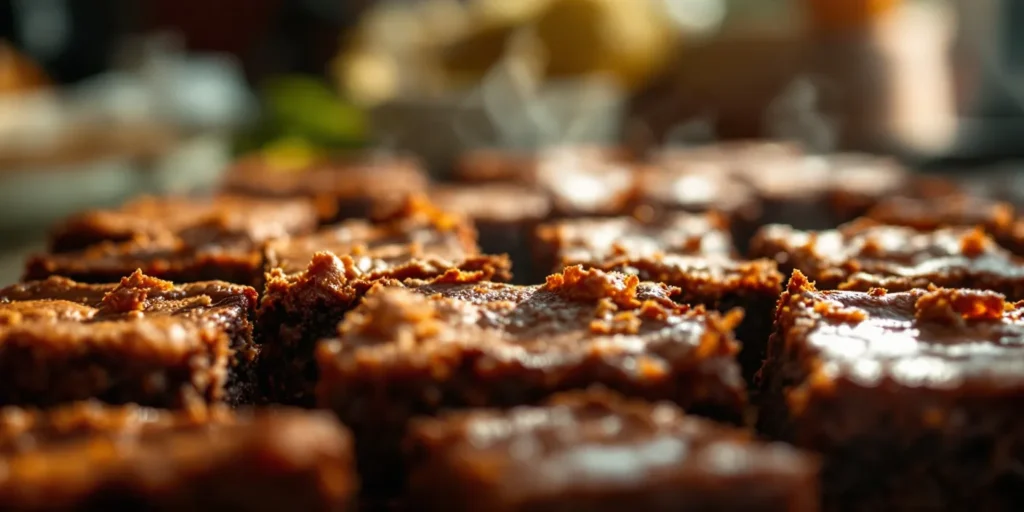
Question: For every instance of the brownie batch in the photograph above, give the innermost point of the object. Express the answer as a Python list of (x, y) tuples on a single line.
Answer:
[(737, 326)]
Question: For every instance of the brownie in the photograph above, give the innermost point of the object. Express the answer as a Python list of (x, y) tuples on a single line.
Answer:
[(314, 280), (89, 457), (865, 255), (414, 351), (580, 181), (720, 283), (595, 451), (196, 221), (503, 165), (504, 214), (142, 340), (593, 240), (175, 239), (351, 185), (696, 186), (911, 397), (995, 217)]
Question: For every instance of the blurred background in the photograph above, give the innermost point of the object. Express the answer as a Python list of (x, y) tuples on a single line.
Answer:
[(104, 99)]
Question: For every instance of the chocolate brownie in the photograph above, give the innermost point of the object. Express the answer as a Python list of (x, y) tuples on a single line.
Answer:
[(579, 181), (504, 215), (955, 211), (418, 350), (591, 241), (344, 186), (196, 221), (88, 457), (143, 340), (865, 255), (503, 165), (175, 239), (720, 283), (314, 280), (911, 397), (596, 451)]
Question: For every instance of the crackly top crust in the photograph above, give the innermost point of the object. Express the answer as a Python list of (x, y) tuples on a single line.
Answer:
[(148, 451), (598, 440), (195, 221), (963, 341), (493, 202), (863, 255), (136, 296), (635, 326), (592, 242), (930, 214), (349, 176), (703, 278), (415, 229)]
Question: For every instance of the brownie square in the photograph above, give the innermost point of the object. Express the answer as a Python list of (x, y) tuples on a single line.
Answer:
[(580, 181), (350, 185), (505, 216), (911, 397), (314, 280), (142, 340), (418, 350), (89, 457), (591, 241), (955, 211), (598, 452), (173, 238), (865, 255), (719, 283)]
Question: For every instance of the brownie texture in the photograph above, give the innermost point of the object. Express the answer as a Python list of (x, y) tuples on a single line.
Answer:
[(178, 239), (141, 340), (593, 240), (418, 350), (595, 451), (911, 397), (505, 216), (719, 283), (304, 302), (92, 457), (865, 255), (344, 186)]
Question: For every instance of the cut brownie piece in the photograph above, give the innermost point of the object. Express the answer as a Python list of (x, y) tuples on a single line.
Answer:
[(954, 211), (87, 457), (143, 340), (720, 283), (345, 186), (408, 352), (912, 397), (588, 241), (309, 292), (579, 180), (864, 255), (502, 165), (504, 215), (196, 221), (175, 239), (595, 451)]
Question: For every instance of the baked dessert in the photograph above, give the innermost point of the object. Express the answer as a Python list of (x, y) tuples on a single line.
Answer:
[(866, 255), (443, 345), (596, 451), (312, 281), (719, 283), (351, 185), (195, 220), (594, 240), (177, 239), (911, 397), (90, 457), (504, 215), (579, 180), (142, 340)]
